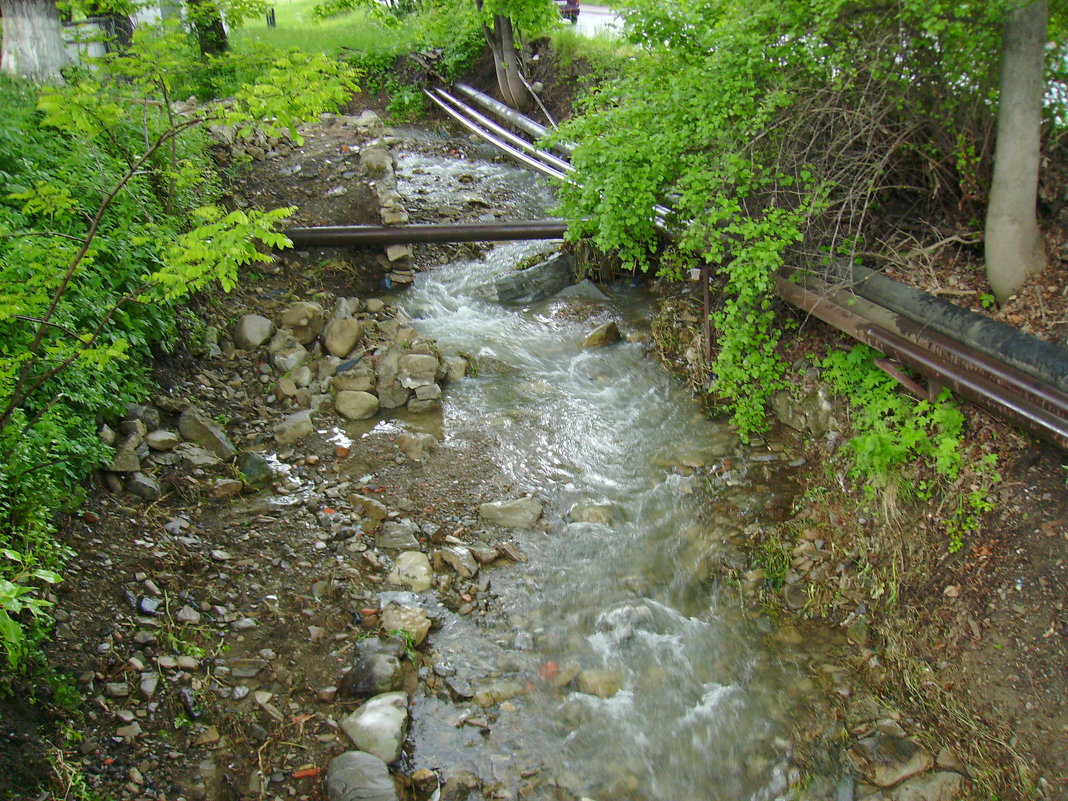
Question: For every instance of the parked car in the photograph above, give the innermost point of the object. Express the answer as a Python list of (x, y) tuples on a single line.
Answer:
[(569, 9)]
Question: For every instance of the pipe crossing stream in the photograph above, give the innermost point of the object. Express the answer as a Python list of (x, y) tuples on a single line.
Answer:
[(614, 664)]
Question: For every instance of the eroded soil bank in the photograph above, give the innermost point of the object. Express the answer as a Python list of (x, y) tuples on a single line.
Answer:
[(210, 628)]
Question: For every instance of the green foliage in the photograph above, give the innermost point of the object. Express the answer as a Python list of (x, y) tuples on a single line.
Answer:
[(773, 130), (406, 104), (893, 432), (17, 596), (107, 220), (892, 429), (408, 640)]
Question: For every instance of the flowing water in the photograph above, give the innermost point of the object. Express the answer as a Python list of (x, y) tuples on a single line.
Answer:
[(696, 689)]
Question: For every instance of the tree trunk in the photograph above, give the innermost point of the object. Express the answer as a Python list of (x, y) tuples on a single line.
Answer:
[(501, 41), (1014, 246), (209, 28), (510, 59), (33, 40)]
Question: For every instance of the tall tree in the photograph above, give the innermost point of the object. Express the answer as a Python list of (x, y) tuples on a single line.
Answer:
[(501, 21), (208, 27), (501, 40), (33, 40), (1014, 246)]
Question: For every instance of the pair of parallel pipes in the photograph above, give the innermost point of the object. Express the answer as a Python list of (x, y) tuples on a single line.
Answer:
[(1013, 374)]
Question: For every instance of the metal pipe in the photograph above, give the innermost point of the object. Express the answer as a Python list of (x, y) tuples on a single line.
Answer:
[(975, 387), (531, 127), (439, 232), (520, 121), (1033, 389), (518, 155), (482, 119), (1043, 360)]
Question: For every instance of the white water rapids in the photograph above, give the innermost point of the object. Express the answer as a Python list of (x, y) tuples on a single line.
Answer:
[(632, 601)]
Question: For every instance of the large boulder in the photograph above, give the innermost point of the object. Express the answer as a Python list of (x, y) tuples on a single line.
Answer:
[(412, 569), (342, 336), (197, 427), (305, 319), (252, 330), (356, 405), (602, 335), (515, 513), (358, 776), (379, 726), (537, 282)]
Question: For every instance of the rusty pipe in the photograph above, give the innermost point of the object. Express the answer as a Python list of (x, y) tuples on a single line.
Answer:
[(1038, 392), (332, 235), (973, 386), (967, 383)]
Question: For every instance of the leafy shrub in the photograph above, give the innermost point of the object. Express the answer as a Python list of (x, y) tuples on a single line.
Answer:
[(106, 221), (893, 431)]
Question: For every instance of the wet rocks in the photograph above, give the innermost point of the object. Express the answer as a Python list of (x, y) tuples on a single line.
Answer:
[(379, 726), (535, 282), (591, 512), (514, 513), (602, 683), (885, 759), (412, 619), (498, 691), (602, 335), (359, 776), (376, 668)]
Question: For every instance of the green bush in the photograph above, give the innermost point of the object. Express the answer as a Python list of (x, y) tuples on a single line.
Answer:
[(896, 435), (107, 220)]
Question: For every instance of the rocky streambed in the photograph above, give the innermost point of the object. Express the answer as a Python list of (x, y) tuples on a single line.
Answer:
[(466, 541)]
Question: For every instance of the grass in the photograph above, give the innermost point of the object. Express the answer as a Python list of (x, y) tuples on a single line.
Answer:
[(297, 26)]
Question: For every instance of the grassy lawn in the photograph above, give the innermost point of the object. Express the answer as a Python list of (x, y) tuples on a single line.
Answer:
[(297, 26)]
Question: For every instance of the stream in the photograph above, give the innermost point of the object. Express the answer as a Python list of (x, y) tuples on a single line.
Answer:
[(627, 669)]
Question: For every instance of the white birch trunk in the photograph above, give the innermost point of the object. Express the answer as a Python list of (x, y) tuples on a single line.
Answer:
[(33, 40)]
